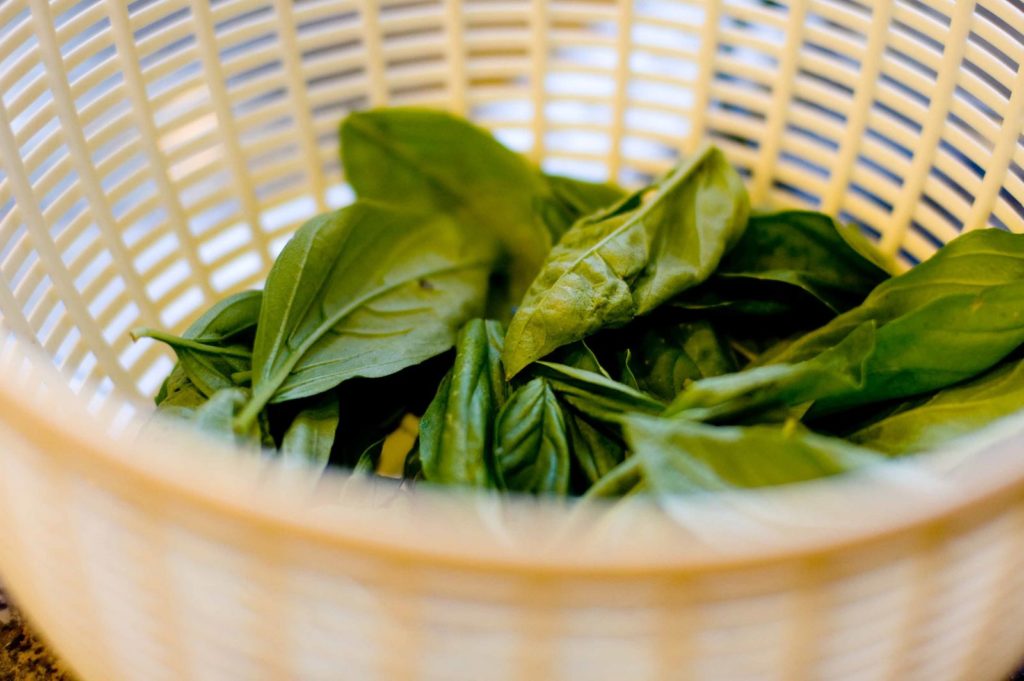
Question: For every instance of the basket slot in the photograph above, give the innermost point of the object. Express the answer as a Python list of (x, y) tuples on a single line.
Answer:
[(476, 13), (241, 71), (798, 176), (172, 74), (895, 115), (156, 253), (688, 53), (990, 101), (327, 98), (317, 47), (166, 41), (432, 97), (8, 16), (561, 37), (89, 49), (1007, 211), (566, 66), (748, 44), (145, 19), (59, 210), (410, 20), (643, 103), (34, 91), (836, 76), (497, 39), (853, 19), (322, 12), (176, 313), (413, 49), (505, 67), (224, 243), (753, 74), (35, 154), (227, 12), (110, 139), (999, 66), (283, 160), (335, 66), (959, 172)]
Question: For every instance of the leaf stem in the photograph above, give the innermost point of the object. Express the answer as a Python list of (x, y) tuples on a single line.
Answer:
[(180, 342)]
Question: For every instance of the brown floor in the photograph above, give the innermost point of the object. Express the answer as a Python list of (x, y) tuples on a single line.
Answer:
[(23, 658)]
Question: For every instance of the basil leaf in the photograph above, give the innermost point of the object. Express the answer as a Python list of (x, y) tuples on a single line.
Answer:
[(310, 437), (218, 344), (625, 373), (434, 162), (595, 394), (950, 413), (217, 417), (367, 463), (364, 291), (667, 354), (805, 250), (970, 263), (572, 199), (456, 433), (179, 392), (626, 478), (946, 341), (595, 450), (580, 356), (626, 261), (531, 445), (777, 388), (679, 457)]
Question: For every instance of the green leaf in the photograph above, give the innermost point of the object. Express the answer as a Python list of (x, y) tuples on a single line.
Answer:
[(800, 249), (667, 354), (310, 437), (580, 356), (951, 413), (943, 342), (628, 260), (947, 340), (679, 457), (625, 372), (364, 291), (970, 263), (217, 417), (770, 392), (218, 344), (434, 162), (626, 478), (366, 465), (594, 447), (456, 433), (531, 445), (179, 392), (572, 199), (595, 394)]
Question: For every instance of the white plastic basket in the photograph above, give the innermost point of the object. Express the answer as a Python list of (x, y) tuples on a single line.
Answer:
[(155, 155)]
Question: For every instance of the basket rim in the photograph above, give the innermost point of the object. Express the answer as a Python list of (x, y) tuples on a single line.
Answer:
[(190, 471)]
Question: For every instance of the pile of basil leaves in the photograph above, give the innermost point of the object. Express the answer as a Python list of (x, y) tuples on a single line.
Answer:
[(564, 337)]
